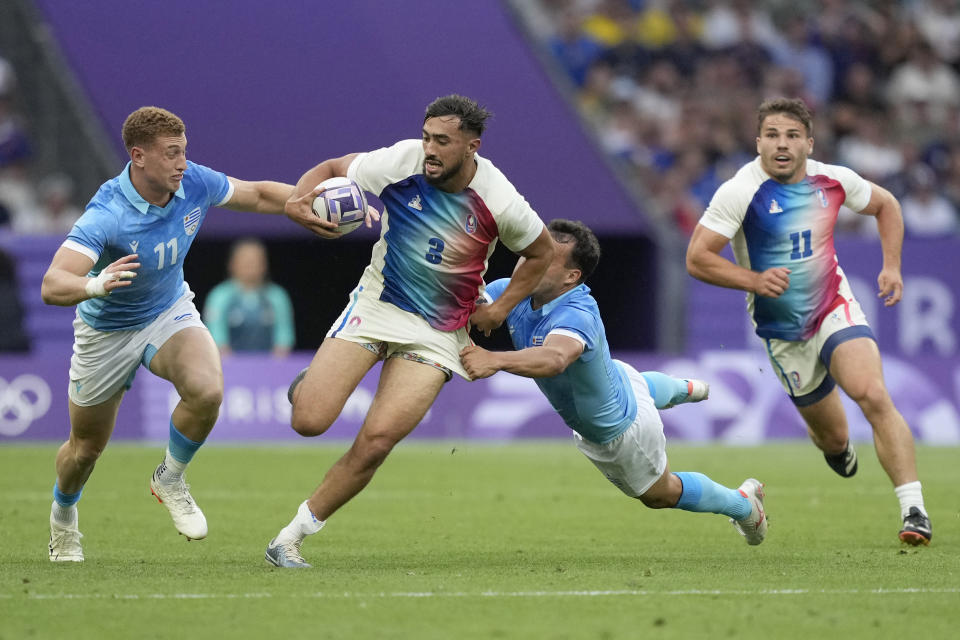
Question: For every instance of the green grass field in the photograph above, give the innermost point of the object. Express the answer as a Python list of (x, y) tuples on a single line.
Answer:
[(461, 540)]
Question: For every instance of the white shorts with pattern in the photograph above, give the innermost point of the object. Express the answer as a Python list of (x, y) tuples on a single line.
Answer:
[(802, 365), (391, 332), (103, 362), (635, 459)]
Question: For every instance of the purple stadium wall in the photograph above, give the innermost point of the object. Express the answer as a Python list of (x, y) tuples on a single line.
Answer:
[(269, 89)]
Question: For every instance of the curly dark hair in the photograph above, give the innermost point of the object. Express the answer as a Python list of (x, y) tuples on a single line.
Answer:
[(586, 249), (472, 116)]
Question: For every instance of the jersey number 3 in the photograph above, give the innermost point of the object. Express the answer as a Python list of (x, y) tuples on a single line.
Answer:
[(434, 254), (796, 254)]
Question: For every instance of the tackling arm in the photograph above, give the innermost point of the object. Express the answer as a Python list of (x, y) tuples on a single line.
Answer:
[(551, 359), (538, 256)]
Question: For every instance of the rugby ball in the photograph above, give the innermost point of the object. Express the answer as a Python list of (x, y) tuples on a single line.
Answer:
[(342, 202)]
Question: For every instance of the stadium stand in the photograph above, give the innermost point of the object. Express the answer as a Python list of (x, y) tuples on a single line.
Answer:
[(665, 84)]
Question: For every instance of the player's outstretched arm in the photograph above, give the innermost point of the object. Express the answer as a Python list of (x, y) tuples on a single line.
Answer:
[(272, 197), (65, 283), (537, 257), (884, 206), (551, 359), (705, 263), (262, 196)]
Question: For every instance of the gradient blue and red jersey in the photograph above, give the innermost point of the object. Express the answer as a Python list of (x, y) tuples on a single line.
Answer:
[(772, 224), (434, 245)]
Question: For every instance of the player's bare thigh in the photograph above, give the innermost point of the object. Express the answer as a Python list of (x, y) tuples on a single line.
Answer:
[(406, 392), (336, 370), (856, 366), (190, 360)]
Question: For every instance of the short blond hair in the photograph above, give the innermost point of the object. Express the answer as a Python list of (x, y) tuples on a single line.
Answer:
[(146, 124)]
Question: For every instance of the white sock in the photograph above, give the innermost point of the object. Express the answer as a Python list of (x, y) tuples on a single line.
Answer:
[(910, 495), (64, 515), (302, 525), (170, 470)]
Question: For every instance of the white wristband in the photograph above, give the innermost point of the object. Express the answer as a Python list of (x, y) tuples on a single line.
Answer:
[(95, 286)]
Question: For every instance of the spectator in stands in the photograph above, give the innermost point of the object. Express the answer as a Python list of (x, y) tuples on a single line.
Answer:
[(573, 49), (54, 212), (939, 22), (248, 312), (926, 213), (922, 91), (12, 335), (16, 191), (800, 52), (868, 150)]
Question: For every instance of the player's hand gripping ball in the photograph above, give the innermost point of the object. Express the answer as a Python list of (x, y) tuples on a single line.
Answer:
[(343, 203)]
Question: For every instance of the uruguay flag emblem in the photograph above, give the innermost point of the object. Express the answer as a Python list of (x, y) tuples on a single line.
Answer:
[(191, 221)]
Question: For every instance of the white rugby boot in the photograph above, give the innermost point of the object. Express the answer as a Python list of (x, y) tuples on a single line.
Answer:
[(187, 517), (65, 542), (286, 555), (754, 526)]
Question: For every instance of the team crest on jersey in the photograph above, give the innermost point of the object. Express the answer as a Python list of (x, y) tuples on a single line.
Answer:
[(191, 221), (822, 197), (415, 203), (471, 224), (775, 207)]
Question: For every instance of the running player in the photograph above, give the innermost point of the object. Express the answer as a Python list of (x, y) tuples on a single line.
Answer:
[(122, 265), (445, 209), (780, 211)]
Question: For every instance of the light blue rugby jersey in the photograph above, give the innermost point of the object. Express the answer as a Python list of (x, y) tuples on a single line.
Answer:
[(593, 395), (118, 222)]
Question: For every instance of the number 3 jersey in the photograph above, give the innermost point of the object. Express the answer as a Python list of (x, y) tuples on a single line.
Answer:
[(119, 222), (772, 224), (434, 245)]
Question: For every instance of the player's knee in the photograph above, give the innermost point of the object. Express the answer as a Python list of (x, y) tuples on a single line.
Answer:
[(371, 450), (85, 454), (655, 502), (204, 398), (309, 424), (872, 397)]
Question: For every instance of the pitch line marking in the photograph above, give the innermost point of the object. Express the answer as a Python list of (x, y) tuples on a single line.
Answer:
[(479, 594)]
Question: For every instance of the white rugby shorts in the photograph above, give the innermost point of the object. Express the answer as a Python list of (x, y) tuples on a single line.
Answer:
[(635, 459), (393, 332), (105, 361), (802, 365)]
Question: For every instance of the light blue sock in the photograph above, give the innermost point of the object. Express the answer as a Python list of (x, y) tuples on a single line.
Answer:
[(65, 499), (664, 389), (702, 494), (180, 446)]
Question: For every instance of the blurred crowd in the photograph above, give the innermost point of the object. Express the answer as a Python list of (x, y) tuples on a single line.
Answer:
[(671, 88), (29, 203)]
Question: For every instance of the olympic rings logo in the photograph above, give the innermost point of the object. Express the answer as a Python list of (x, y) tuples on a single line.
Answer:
[(22, 401)]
